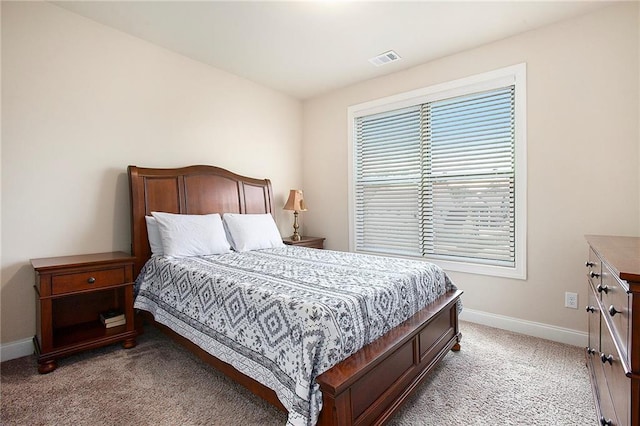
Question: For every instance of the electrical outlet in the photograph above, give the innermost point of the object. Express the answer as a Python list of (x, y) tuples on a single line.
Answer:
[(571, 300)]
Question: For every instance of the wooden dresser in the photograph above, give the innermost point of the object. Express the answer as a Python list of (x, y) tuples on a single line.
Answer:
[(613, 354)]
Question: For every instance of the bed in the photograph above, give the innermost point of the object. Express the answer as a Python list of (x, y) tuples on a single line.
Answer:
[(367, 386)]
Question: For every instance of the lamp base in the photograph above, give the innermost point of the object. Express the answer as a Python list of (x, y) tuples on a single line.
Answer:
[(295, 236)]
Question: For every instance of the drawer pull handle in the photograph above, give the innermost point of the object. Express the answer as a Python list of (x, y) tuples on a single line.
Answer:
[(591, 309), (606, 358), (589, 264), (591, 351), (613, 311), (91, 280), (594, 275), (605, 422), (602, 288)]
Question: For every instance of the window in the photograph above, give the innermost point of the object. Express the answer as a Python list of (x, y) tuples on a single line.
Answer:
[(440, 174)]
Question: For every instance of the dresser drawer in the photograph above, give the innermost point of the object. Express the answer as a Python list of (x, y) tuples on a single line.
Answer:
[(617, 382), (601, 389), (593, 314), (594, 268), (615, 306), (68, 283)]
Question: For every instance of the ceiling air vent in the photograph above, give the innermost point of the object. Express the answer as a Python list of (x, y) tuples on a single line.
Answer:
[(385, 58)]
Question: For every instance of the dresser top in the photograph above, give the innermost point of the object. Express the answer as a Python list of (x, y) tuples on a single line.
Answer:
[(621, 253)]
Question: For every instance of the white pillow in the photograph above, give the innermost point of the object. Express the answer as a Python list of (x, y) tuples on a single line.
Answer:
[(186, 235), (155, 242), (252, 231)]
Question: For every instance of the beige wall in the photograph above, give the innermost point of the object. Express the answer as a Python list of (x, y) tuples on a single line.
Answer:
[(80, 102), (583, 154)]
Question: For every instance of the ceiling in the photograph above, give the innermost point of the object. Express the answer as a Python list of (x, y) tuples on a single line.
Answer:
[(306, 48)]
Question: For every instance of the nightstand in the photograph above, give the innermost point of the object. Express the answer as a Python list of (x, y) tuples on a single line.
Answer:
[(71, 293), (312, 242)]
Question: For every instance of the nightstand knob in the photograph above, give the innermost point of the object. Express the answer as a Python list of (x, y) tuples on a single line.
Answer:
[(613, 311), (91, 280)]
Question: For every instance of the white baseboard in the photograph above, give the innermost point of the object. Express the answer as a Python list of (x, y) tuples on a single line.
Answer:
[(530, 328), (15, 350), (545, 331)]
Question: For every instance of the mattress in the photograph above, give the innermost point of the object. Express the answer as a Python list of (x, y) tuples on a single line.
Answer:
[(285, 315)]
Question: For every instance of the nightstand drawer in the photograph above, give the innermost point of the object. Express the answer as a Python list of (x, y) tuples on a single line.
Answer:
[(311, 242), (68, 283)]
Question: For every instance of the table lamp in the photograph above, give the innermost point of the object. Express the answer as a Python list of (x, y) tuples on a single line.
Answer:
[(295, 203)]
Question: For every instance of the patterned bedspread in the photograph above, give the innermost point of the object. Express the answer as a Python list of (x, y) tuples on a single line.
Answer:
[(285, 315)]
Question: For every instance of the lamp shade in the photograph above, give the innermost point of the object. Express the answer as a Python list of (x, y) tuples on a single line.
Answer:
[(295, 201)]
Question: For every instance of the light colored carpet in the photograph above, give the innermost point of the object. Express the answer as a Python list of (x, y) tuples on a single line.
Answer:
[(497, 378)]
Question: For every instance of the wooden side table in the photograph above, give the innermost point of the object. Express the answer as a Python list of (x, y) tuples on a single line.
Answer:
[(71, 293), (312, 242)]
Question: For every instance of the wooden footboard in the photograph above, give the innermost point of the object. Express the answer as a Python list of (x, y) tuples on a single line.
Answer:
[(369, 386)]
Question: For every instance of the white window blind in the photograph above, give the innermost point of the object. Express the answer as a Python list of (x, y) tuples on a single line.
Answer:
[(389, 173), (437, 179)]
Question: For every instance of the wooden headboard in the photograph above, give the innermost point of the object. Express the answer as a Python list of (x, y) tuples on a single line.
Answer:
[(190, 190)]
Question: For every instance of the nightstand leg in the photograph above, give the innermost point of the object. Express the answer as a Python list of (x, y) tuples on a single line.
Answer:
[(129, 343), (45, 367)]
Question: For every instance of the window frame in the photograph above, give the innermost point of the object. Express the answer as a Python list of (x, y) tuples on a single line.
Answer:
[(512, 75)]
